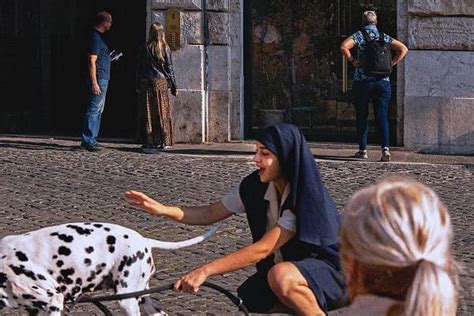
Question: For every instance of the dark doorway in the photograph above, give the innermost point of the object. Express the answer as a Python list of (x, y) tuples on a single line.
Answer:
[(51, 53), (20, 64), (294, 71), (70, 96)]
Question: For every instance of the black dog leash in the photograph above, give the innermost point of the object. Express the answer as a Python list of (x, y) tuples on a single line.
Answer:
[(96, 300)]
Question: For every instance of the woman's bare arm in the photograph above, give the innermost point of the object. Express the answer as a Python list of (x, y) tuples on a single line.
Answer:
[(193, 215), (273, 240)]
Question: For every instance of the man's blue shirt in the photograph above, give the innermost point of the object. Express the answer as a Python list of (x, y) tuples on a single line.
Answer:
[(361, 45), (100, 49)]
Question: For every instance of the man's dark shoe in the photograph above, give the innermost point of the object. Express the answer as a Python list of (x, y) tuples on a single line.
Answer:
[(90, 147)]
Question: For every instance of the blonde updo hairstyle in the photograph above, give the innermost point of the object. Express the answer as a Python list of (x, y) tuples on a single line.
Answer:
[(399, 234)]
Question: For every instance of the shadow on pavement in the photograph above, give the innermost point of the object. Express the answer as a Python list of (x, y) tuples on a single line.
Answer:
[(209, 152), (38, 145), (338, 158), (197, 152), (125, 149)]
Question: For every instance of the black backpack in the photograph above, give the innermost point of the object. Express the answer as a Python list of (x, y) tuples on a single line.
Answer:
[(378, 56)]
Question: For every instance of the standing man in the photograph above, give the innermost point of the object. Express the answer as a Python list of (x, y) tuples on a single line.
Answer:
[(368, 85), (98, 80)]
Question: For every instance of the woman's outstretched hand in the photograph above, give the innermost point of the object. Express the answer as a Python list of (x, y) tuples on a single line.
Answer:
[(141, 200), (191, 282)]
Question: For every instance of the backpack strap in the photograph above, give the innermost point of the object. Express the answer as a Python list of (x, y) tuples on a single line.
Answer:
[(381, 37), (366, 36)]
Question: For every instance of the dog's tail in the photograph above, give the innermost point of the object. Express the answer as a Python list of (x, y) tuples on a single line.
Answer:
[(185, 243)]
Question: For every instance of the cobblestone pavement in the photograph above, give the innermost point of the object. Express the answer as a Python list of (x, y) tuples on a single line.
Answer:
[(46, 182)]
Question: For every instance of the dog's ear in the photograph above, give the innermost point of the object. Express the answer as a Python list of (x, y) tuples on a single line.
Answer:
[(18, 286), (21, 284), (4, 291), (38, 291)]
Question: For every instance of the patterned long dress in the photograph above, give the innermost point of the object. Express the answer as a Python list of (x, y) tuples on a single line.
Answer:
[(156, 113)]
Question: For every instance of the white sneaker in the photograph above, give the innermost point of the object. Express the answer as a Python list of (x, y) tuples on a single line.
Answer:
[(385, 155), (361, 154)]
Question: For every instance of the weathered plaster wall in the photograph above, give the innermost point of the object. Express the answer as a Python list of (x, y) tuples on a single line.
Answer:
[(207, 72), (438, 73)]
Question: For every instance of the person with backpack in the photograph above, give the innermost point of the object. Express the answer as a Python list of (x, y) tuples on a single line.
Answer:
[(373, 65)]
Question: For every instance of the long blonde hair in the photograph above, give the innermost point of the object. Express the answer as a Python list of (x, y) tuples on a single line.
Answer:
[(157, 41), (400, 233)]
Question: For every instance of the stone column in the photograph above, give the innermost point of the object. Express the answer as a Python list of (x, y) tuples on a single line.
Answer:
[(236, 43), (207, 68), (439, 76), (218, 75), (187, 108)]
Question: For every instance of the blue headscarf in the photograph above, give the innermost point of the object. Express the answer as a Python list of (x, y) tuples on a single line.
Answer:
[(317, 218)]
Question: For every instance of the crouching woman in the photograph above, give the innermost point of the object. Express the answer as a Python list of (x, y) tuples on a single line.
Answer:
[(294, 225)]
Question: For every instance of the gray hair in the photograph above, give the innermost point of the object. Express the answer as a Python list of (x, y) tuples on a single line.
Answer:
[(399, 224), (369, 17)]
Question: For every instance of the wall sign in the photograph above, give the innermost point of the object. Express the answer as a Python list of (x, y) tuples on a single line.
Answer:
[(173, 28)]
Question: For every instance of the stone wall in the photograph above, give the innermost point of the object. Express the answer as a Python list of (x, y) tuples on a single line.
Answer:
[(207, 68), (436, 81), (438, 74)]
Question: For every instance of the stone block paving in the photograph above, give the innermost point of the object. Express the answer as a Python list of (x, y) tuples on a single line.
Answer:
[(44, 183)]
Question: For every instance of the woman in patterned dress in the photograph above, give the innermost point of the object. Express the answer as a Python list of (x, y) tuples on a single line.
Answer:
[(154, 76)]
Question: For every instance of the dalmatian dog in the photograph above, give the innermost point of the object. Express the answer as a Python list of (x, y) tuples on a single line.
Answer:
[(43, 269)]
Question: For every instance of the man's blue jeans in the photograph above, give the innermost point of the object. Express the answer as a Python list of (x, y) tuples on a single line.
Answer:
[(94, 113), (379, 92)]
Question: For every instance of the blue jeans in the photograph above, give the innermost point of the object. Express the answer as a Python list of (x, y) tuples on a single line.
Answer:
[(94, 113), (379, 93)]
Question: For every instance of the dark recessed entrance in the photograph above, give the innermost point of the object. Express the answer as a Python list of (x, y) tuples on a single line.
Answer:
[(43, 86), (294, 71)]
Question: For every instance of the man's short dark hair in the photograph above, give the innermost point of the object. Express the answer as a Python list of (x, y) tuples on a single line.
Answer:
[(102, 17)]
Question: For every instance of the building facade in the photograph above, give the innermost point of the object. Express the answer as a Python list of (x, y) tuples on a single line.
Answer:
[(228, 47), (241, 65), (438, 75)]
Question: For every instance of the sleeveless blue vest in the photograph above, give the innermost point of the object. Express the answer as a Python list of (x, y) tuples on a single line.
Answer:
[(252, 193)]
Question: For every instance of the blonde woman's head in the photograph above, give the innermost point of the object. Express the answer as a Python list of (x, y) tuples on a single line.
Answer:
[(157, 40), (395, 242)]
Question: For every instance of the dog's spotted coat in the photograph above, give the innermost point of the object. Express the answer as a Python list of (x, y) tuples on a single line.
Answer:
[(41, 270)]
